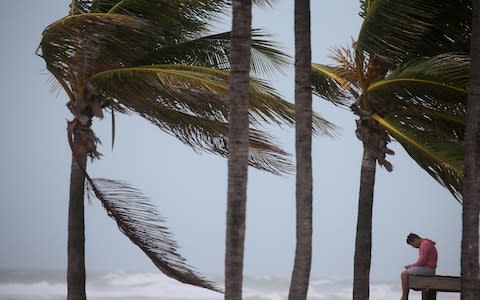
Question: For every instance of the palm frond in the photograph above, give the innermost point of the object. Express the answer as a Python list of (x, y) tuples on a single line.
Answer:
[(175, 86), (267, 56), (189, 103), (328, 83), (79, 6), (195, 90), (211, 136), (102, 6), (442, 158), (400, 30), (429, 84), (139, 220), (345, 62), (78, 46), (176, 20), (364, 7), (209, 6), (213, 50)]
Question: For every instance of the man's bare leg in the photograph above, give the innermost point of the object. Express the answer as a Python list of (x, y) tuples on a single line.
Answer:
[(405, 289)]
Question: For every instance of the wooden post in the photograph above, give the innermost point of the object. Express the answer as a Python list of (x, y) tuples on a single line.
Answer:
[(429, 295)]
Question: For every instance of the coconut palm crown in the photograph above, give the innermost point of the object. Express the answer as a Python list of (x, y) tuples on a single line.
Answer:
[(154, 58), (421, 99)]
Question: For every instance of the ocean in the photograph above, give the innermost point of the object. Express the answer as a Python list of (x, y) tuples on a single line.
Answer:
[(51, 285)]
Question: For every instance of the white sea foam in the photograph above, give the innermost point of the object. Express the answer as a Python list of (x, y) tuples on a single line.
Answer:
[(155, 286)]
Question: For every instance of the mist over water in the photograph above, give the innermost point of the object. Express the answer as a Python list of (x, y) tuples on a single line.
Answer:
[(51, 285)]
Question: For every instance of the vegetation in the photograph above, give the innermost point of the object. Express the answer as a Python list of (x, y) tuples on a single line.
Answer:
[(155, 59), (406, 79)]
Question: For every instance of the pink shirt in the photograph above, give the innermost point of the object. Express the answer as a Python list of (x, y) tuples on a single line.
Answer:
[(428, 255)]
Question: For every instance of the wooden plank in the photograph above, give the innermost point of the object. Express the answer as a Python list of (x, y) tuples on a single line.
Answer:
[(437, 283)]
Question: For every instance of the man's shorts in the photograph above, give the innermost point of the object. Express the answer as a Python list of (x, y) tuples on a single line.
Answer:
[(426, 271)]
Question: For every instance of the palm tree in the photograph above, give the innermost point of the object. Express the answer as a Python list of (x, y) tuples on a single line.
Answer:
[(238, 146), (153, 58), (394, 106), (400, 105), (470, 272), (303, 145), (421, 103)]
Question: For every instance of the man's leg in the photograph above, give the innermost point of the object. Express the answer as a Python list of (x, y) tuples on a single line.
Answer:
[(405, 290)]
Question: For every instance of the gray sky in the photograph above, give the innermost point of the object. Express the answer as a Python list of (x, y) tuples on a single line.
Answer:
[(190, 189)]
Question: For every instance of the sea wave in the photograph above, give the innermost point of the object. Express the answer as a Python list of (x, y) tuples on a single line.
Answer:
[(155, 286)]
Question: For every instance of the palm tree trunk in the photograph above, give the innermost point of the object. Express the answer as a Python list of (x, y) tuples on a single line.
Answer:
[(238, 147), (471, 192), (303, 145), (76, 223), (363, 242)]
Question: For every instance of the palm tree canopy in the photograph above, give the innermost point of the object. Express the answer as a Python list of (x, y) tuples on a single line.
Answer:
[(129, 56), (422, 104), (400, 30)]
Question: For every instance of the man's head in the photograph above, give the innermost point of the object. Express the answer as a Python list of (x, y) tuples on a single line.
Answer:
[(414, 240)]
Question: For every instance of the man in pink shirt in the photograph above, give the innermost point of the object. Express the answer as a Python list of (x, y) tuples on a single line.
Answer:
[(425, 264)]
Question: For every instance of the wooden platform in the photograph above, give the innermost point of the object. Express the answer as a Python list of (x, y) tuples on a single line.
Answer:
[(430, 285)]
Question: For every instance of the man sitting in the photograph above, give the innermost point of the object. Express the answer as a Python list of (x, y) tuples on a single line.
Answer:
[(425, 265)]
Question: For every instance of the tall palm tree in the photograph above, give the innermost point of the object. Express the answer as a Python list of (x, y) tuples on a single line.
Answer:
[(303, 146), (238, 146), (470, 272), (398, 106), (409, 104), (155, 59)]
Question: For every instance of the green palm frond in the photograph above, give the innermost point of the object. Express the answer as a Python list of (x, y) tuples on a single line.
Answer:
[(195, 90), (429, 84), (267, 56), (207, 6), (399, 30), (440, 157), (105, 41), (214, 51), (139, 220), (78, 46), (190, 103), (328, 82)]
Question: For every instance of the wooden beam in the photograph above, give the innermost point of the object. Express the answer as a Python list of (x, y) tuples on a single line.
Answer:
[(436, 283)]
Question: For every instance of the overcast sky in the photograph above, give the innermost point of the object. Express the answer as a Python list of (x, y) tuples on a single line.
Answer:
[(190, 189)]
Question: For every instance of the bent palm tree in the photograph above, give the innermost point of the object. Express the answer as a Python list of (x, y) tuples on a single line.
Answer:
[(421, 105), (153, 58), (407, 104)]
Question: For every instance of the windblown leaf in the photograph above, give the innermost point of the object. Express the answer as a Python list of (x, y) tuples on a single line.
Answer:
[(194, 90), (436, 86), (398, 30), (440, 157), (95, 42), (139, 220), (214, 51), (328, 83)]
